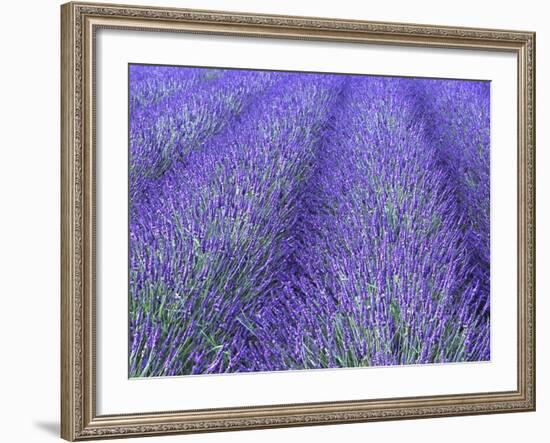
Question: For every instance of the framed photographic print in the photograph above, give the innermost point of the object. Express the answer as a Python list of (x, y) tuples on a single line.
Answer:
[(280, 221)]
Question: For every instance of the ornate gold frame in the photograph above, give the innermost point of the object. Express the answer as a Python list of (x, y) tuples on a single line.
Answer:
[(79, 21)]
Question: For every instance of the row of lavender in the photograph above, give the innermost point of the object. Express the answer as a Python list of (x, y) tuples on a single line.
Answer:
[(289, 221)]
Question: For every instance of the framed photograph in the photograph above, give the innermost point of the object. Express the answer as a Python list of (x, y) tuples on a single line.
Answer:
[(282, 221)]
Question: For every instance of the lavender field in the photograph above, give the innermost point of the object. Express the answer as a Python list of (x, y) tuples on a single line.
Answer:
[(283, 221)]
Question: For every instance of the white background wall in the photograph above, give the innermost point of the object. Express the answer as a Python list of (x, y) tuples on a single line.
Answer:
[(29, 218)]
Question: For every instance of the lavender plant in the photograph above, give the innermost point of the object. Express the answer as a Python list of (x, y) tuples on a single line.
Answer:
[(305, 221)]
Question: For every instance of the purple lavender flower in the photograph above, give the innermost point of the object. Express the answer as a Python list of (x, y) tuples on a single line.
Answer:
[(290, 221)]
